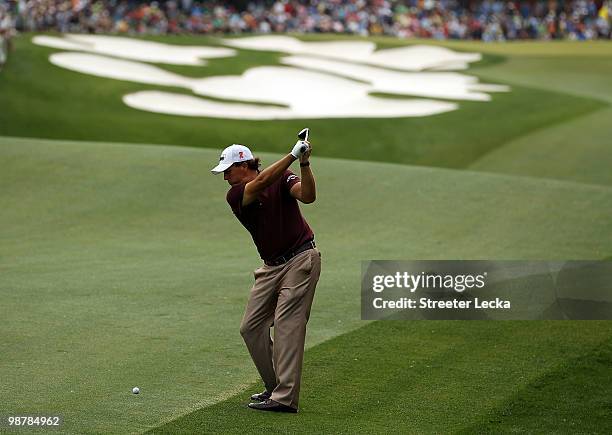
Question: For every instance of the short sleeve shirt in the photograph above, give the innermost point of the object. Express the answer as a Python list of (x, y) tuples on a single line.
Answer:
[(273, 219)]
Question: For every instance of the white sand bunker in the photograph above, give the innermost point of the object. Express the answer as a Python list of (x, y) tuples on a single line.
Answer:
[(351, 106), (135, 49), (308, 87), (424, 84), (118, 69), (344, 50), (411, 58), (306, 94)]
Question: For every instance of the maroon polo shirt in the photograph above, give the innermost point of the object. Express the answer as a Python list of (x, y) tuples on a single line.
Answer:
[(273, 219)]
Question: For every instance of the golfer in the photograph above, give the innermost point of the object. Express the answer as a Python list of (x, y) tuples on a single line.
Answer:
[(265, 202)]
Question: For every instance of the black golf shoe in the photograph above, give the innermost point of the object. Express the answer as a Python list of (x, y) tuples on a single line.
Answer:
[(261, 397), (271, 405)]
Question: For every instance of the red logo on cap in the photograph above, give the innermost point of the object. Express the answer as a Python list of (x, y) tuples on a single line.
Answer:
[(240, 154)]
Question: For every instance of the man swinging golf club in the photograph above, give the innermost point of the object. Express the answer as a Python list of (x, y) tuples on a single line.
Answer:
[(265, 202)]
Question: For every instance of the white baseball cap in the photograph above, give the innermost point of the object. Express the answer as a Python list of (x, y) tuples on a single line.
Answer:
[(232, 154)]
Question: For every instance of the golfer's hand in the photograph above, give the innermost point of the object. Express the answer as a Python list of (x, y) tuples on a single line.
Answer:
[(300, 148), (305, 156)]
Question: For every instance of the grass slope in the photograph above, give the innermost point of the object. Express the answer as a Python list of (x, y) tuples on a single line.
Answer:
[(122, 266), (578, 150), (575, 75), (440, 377), (41, 100)]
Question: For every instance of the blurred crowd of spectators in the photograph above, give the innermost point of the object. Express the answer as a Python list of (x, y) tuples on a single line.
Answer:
[(7, 29), (440, 19)]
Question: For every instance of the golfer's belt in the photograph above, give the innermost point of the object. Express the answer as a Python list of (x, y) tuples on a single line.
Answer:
[(286, 257)]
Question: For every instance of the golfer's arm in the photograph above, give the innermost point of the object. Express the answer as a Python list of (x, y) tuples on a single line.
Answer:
[(306, 190), (266, 178)]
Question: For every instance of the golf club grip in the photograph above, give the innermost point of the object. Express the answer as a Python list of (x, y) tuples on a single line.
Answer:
[(303, 134)]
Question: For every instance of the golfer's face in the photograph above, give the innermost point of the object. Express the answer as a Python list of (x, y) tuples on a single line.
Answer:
[(234, 174)]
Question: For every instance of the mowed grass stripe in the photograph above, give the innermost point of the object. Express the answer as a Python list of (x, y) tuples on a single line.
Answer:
[(438, 377), (122, 265), (573, 398)]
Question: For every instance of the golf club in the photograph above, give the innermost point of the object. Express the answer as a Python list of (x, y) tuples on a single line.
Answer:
[(303, 135)]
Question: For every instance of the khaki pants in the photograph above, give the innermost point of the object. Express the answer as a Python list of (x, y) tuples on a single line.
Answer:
[(281, 296)]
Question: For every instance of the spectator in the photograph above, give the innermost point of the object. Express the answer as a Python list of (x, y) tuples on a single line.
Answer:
[(7, 29), (488, 20)]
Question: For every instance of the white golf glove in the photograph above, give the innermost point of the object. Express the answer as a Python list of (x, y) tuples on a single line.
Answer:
[(300, 148)]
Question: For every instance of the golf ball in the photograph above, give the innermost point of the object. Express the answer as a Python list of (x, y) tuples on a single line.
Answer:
[(135, 390)]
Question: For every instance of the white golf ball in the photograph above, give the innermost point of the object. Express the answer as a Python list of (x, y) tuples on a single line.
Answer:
[(135, 390)]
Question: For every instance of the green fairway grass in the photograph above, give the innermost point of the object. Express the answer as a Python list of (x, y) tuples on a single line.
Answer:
[(575, 397), (440, 377), (573, 75), (578, 150), (122, 266)]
